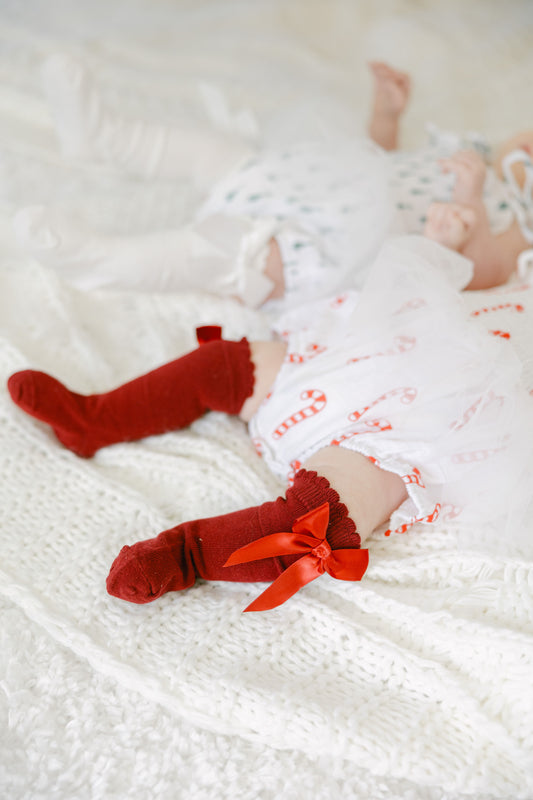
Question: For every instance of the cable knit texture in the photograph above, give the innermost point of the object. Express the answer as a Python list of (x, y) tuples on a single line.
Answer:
[(436, 639)]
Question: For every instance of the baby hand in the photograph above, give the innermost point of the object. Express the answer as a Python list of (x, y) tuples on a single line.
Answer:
[(450, 224), (470, 171)]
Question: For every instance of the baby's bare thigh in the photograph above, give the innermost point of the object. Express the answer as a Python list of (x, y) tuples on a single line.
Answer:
[(267, 358)]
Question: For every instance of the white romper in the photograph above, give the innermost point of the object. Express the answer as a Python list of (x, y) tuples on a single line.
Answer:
[(426, 381), (330, 206)]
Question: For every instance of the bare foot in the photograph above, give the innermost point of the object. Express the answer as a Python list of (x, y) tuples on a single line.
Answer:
[(392, 90), (450, 224)]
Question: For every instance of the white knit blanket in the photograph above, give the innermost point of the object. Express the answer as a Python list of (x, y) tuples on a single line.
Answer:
[(421, 672), (415, 683)]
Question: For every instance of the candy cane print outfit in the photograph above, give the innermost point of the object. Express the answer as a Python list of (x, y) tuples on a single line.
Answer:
[(407, 375)]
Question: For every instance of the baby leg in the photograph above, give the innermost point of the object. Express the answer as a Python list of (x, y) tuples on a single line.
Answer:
[(336, 500), (230, 256), (87, 129), (217, 376), (370, 493), (392, 89), (290, 541)]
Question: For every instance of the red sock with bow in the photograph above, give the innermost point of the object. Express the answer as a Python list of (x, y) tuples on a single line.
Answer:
[(217, 376), (290, 541)]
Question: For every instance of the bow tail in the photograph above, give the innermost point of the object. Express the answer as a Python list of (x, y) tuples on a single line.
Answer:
[(347, 565), (303, 571)]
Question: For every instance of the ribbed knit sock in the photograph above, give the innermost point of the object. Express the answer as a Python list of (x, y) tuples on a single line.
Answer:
[(199, 549), (217, 376)]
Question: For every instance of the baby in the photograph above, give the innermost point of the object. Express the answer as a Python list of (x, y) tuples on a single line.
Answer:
[(284, 228)]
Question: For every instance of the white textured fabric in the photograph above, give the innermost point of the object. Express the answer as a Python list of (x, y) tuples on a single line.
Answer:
[(432, 639), (89, 130), (222, 255), (413, 685)]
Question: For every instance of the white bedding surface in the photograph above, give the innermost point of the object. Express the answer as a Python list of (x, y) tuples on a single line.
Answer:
[(414, 683)]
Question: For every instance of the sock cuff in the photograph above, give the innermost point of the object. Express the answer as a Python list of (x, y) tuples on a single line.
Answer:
[(312, 489), (238, 357), (227, 371)]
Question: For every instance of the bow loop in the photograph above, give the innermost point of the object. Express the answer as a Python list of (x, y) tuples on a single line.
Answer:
[(307, 538)]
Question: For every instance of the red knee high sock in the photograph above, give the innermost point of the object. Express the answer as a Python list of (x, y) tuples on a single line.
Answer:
[(174, 559), (218, 376)]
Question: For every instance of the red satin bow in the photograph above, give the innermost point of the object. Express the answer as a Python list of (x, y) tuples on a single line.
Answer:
[(308, 537)]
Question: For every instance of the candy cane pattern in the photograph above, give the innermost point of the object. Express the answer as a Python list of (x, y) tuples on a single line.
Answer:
[(470, 412), (299, 358), (319, 401), (258, 446), (467, 416), (412, 305), (407, 395), (338, 301), (500, 307), (501, 334), (295, 466), (414, 477), (450, 512), (407, 525), (475, 455), (401, 345), (370, 426)]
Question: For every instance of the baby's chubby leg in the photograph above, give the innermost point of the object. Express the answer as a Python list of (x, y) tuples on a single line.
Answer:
[(336, 500), (267, 358), (370, 493), (219, 375), (392, 89), (334, 503)]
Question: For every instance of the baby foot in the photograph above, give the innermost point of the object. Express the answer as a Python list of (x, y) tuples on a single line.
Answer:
[(149, 569), (391, 94), (450, 224), (48, 400), (392, 89)]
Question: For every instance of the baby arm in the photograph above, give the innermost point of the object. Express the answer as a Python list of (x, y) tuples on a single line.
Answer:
[(463, 225)]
